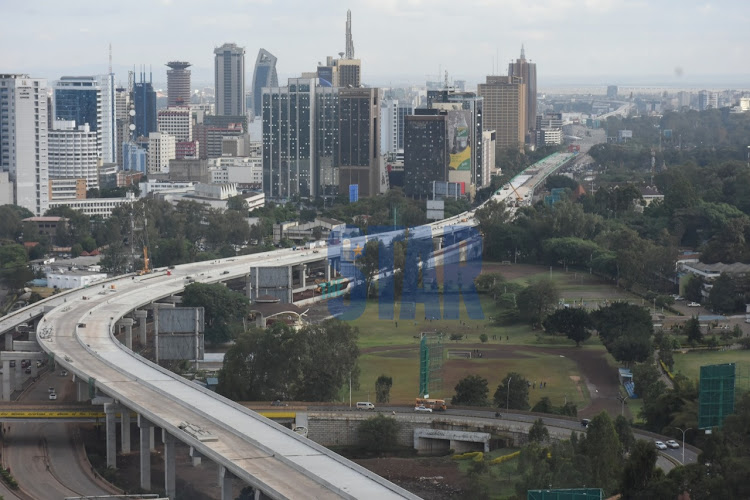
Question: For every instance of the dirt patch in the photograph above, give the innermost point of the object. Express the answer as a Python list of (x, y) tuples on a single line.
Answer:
[(577, 380), (434, 478)]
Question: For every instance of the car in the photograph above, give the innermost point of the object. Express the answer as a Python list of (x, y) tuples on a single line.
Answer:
[(672, 444), (585, 422), (660, 446), (423, 408), (27, 371), (52, 396), (63, 373), (51, 390), (225, 272), (693, 304)]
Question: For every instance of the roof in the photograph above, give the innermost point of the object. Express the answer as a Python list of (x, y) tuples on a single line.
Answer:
[(649, 191), (720, 267), (43, 219)]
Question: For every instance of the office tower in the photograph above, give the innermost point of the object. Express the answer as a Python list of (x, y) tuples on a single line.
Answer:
[(23, 139), (549, 130), (359, 140), (108, 131), (264, 75), (527, 72), (505, 110), (707, 100), (612, 91), (488, 155), (161, 149), (404, 109), (177, 122), (289, 140), (326, 138), (122, 120), (229, 77), (683, 99), (134, 158), (350, 72), (465, 125), (73, 160), (144, 105), (389, 127), (79, 99), (426, 155), (178, 84)]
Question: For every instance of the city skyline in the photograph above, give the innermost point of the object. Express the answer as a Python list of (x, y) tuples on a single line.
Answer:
[(575, 42)]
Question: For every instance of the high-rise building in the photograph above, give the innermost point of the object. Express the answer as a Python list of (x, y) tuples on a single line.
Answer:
[(707, 100), (683, 99), (612, 91), (505, 110), (404, 109), (161, 149), (549, 129), (144, 105), (229, 76), (359, 140), (326, 138), (488, 156), (264, 76), (465, 125), (350, 72), (23, 139), (289, 140), (108, 132), (526, 70), (73, 153), (122, 120), (178, 84), (389, 127), (426, 155), (177, 122), (134, 158)]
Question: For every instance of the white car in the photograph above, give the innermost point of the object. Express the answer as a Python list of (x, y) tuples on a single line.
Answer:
[(673, 444), (52, 396), (694, 304), (423, 408), (660, 445)]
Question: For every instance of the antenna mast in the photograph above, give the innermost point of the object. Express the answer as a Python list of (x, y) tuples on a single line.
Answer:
[(349, 41)]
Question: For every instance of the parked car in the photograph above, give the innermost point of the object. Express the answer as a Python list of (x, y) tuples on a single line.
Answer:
[(694, 304), (673, 444), (585, 422), (63, 373), (52, 396), (423, 408), (660, 445), (51, 390)]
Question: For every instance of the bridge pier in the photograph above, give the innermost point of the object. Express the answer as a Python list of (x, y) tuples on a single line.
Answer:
[(225, 483), (125, 430), (110, 410), (196, 456), (169, 464), (141, 316), (82, 391), (147, 439), (249, 287), (127, 323), (6, 380)]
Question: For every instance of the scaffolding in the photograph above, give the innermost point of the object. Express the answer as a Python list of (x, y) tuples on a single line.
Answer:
[(431, 357)]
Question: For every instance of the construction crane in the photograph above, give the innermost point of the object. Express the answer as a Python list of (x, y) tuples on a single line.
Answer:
[(146, 269), (519, 198)]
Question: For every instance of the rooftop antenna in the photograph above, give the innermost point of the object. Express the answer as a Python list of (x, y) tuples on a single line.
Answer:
[(349, 41)]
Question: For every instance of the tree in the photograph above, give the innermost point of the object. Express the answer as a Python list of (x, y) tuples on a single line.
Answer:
[(624, 433), (572, 322), (14, 265), (693, 288), (114, 260), (383, 389), (513, 391), (625, 330), (237, 203), (536, 300), (367, 261), (693, 330), (224, 309), (723, 296), (483, 338), (538, 432), (639, 470), (471, 390), (378, 433), (603, 448), (544, 405)]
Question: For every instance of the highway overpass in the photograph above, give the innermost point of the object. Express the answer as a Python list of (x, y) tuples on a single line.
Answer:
[(77, 331)]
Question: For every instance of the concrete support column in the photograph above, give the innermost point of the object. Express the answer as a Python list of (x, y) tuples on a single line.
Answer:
[(82, 391), (169, 464), (129, 336), (290, 290), (34, 369), (141, 316), (328, 271), (6, 380), (125, 430), (248, 287), (302, 277), (110, 411), (151, 440), (196, 456), (18, 377), (9, 341), (156, 333), (147, 430), (225, 483)]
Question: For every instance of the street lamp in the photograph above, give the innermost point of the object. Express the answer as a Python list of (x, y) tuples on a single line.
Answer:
[(683, 441), (507, 394)]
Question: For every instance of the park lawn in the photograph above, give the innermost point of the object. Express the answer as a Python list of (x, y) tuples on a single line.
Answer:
[(403, 366), (689, 363)]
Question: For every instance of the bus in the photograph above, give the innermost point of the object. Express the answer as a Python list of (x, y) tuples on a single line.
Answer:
[(435, 404)]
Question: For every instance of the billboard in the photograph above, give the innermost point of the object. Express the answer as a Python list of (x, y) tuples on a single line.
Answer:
[(180, 346), (181, 319), (460, 139), (715, 395), (353, 193), (442, 189), (325, 76)]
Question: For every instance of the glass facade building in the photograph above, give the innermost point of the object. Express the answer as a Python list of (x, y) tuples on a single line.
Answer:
[(144, 99), (264, 76)]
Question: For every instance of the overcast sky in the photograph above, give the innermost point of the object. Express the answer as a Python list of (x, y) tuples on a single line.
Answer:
[(670, 42)]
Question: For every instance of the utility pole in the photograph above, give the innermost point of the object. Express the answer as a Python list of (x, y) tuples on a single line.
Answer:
[(507, 394)]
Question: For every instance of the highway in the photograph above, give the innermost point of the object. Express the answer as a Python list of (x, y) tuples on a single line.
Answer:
[(77, 330)]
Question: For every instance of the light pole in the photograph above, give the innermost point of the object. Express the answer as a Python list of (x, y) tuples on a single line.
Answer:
[(507, 394), (683, 441)]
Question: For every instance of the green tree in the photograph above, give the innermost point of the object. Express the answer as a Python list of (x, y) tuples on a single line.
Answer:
[(693, 289), (538, 432), (367, 261), (723, 296), (383, 389), (114, 260), (378, 433), (513, 392), (544, 405), (536, 300), (237, 203), (625, 330), (639, 470), (624, 433), (693, 330), (570, 321), (224, 309), (14, 265), (483, 338), (604, 451), (471, 390)]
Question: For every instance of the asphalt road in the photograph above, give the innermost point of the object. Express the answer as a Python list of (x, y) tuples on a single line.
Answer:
[(42, 456)]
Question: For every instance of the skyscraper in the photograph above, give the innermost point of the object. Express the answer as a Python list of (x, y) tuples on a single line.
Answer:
[(359, 140), (426, 155), (144, 100), (264, 75), (178, 83), (122, 121), (505, 110), (73, 155), (229, 77), (527, 72), (23, 139), (388, 126), (108, 131)]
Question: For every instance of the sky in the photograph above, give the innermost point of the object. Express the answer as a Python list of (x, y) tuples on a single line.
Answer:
[(586, 42)]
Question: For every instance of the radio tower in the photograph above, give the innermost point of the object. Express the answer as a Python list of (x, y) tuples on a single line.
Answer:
[(349, 41)]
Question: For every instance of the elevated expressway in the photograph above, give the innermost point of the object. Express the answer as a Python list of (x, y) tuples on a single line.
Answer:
[(78, 327)]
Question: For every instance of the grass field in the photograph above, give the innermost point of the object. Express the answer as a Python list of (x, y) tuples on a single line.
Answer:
[(689, 364)]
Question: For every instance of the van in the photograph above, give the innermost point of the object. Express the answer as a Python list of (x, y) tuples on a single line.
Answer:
[(365, 405)]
